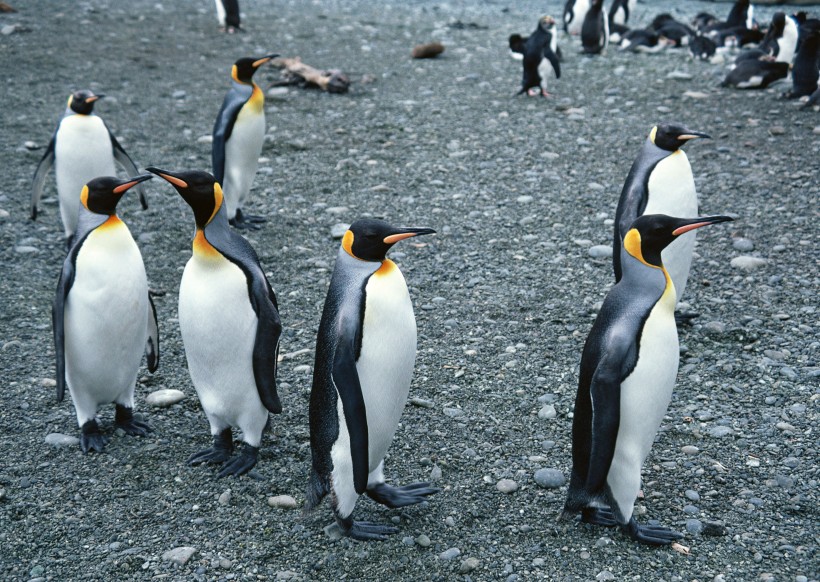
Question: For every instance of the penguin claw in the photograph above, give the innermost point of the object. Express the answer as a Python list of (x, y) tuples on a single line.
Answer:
[(124, 418), (598, 516), (366, 530), (241, 463), (652, 535), (92, 439), (686, 318), (219, 453), (395, 497)]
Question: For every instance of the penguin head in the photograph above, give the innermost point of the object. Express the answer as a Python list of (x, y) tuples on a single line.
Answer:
[(651, 233), (671, 136), (369, 239), (546, 22), (199, 189), (82, 101), (102, 194), (243, 69)]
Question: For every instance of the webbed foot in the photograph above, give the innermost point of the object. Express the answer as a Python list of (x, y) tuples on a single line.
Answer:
[(394, 497), (365, 530), (124, 419), (241, 463), (219, 453), (598, 516), (91, 438), (652, 535)]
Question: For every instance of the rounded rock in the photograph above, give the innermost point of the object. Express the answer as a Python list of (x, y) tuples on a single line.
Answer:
[(57, 439), (549, 478), (449, 554), (164, 398), (282, 502), (600, 251), (468, 565), (744, 245), (507, 486), (747, 263)]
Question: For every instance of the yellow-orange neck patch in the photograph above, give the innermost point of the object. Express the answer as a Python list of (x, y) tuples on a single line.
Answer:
[(84, 196), (632, 244), (112, 222), (387, 267), (653, 133), (202, 248), (347, 243), (257, 100)]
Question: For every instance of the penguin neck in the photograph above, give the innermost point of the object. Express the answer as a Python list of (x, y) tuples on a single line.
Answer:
[(202, 249), (350, 263), (88, 221), (641, 275)]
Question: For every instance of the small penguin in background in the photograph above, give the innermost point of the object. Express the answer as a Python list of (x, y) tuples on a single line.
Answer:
[(595, 30), (574, 13), (230, 325), (540, 51), (702, 48), (628, 369), (365, 354), (227, 13), (103, 316), (755, 74), (660, 181), (81, 149), (238, 135), (643, 41), (782, 37), (620, 11), (805, 73)]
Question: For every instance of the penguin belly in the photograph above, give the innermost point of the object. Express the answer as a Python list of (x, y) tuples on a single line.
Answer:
[(218, 328), (645, 396), (106, 320), (82, 152), (672, 191), (579, 12), (544, 70), (242, 154)]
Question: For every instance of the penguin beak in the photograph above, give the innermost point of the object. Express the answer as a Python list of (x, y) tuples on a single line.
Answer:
[(125, 186), (403, 233), (694, 135), (693, 223), (168, 177), (94, 98), (263, 60)]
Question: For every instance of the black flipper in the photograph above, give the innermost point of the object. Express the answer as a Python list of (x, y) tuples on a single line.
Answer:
[(152, 345), (237, 96), (40, 176), (517, 43), (58, 316), (130, 168), (554, 61)]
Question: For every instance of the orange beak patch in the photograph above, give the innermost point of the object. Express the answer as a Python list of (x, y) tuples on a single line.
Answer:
[(394, 238), (175, 181), (123, 187), (688, 227), (260, 62)]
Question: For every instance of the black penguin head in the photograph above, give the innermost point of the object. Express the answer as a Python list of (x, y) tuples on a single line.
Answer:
[(778, 23), (651, 233), (199, 189), (369, 239), (102, 194), (671, 136), (82, 102), (244, 68), (546, 22)]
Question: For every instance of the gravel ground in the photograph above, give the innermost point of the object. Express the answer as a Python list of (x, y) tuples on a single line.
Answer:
[(519, 190)]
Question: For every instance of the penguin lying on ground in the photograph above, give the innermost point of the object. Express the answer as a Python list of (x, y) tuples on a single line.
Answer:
[(230, 327), (701, 47), (81, 149), (365, 354), (227, 13), (805, 71), (673, 30), (643, 41), (660, 181), (574, 13), (627, 375), (103, 317), (755, 74), (238, 135), (540, 51), (595, 31)]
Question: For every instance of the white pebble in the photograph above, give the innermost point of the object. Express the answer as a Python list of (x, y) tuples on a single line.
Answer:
[(282, 502), (164, 398)]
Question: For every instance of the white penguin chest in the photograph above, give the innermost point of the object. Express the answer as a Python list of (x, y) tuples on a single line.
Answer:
[(388, 355), (83, 150), (247, 136)]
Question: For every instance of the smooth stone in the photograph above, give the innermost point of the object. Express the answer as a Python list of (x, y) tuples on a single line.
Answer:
[(179, 94), (453, 412), (449, 554), (205, 139), (720, 431), (694, 526), (715, 327), (777, 130), (4, 213), (333, 532), (421, 403), (743, 245), (681, 75), (165, 397), (26, 249), (408, 540), (282, 502), (57, 439), (423, 541), (524, 199), (547, 412), (337, 209), (302, 369), (338, 230), (225, 497), (180, 555), (435, 473), (549, 478), (692, 495), (690, 509), (605, 575), (600, 251), (468, 565), (689, 450), (507, 486), (747, 263)]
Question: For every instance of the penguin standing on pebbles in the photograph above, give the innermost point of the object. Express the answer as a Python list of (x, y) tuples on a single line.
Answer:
[(574, 13), (104, 318), (595, 31), (238, 135), (365, 354), (230, 326), (227, 13), (660, 182), (540, 51), (81, 149), (628, 371)]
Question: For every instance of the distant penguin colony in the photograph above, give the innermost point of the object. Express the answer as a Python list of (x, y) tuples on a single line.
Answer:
[(104, 319)]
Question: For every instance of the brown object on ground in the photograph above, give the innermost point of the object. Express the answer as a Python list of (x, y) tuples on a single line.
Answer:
[(427, 51), (295, 72), (6, 7)]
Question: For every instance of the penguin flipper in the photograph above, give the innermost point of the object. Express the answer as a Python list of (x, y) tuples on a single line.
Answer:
[(554, 61), (517, 43), (152, 345), (58, 316), (346, 379), (223, 127), (40, 177), (266, 347), (130, 167)]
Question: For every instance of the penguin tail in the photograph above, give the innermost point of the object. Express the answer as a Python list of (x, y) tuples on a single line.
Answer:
[(317, 489)]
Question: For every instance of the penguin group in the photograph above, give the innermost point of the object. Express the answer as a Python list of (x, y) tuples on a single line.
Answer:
[(104, 318)]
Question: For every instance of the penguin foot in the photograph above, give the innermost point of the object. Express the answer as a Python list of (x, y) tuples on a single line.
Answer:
[(365, 531), (532, 93), (598, 516), (651, 535), (219, 453), (395, 497), (124, 419), (92, 439), (686, 318), (241, 463)]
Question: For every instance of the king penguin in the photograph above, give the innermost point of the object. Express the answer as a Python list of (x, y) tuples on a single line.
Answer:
[(230, 326), (365, 354), (620, 11), (540, 52), (81, 149), (628, 370), (103, 317), (574, 13), (239, 133), (227, 13), (660, 182), (595, 30)]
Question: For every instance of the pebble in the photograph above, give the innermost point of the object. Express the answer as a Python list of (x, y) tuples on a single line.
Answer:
[(747, 263), (507, 486), (468, 565), (777, 130), (408, 540), (714, 528), (165, 397), (302, 369), (681, 75), (743, 245), (423, 541), (179, 94), (225, 563), (524, 199), (715, 327), (690, 509), (600, 251), (549, 478), (282, 502), (421, 403), (333, 532), (57, 439), (453, 412), (695, 94), (547, 412), (4, 213), (692, 495), (2, 494), (205, 139), (25, 249), (449, 554), (719, 431), (338, 230), (337, 209), (791, 462), (180, 555), (605, 575), (689, 450), (435, 473), (694, 526), (816, 130), (225, 497), (449, 521)]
